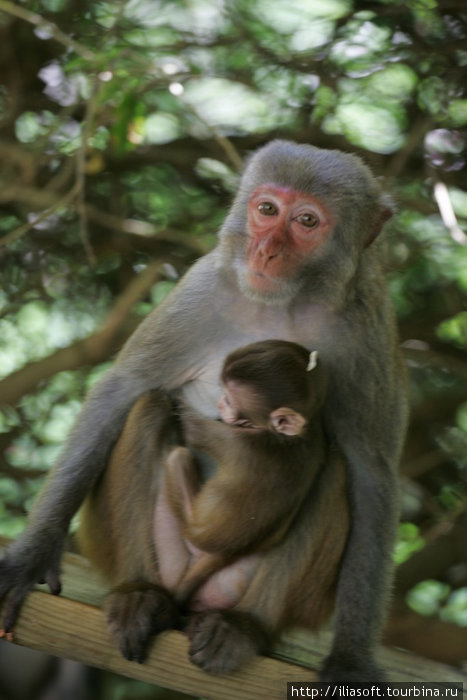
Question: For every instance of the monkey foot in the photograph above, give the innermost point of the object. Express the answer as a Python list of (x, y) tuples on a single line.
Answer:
[(135, 613), (8, 636), (221, 641)]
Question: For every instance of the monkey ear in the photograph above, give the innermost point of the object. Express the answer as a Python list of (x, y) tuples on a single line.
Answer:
[(385, 211), (287, 421)]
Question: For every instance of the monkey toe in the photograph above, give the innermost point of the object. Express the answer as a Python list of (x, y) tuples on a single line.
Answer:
[(221, 642), (135, 613)]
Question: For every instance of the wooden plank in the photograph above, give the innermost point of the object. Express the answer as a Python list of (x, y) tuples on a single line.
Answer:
[(306, 648), (72, 626), (77, 631)]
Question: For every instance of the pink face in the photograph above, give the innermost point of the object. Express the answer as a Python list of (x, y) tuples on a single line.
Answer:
[(285, 226), (226, 411), (233, 403), (238, 404)]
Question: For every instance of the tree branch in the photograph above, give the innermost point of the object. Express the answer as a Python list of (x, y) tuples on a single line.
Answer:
[(89, 351), (11, 8), (24, 228)]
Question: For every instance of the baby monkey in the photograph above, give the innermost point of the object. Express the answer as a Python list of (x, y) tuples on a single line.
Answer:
[(268, 450)]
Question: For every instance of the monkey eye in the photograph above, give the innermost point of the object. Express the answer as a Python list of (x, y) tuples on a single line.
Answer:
[(244, 423), (267, 209), (308, 220)]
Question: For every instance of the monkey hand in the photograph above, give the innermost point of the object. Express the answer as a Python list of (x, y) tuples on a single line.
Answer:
[(31, 559), (194, 425), (136, 612), (203, 433), (343, 668)]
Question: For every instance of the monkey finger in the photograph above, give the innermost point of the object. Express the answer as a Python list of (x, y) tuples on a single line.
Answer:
[(14, 602), (52, 579)]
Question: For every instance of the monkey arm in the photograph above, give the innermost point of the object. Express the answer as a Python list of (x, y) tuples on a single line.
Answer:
[(161, 353), (35, 555), (208, 434), (367, 560), (371, 437)]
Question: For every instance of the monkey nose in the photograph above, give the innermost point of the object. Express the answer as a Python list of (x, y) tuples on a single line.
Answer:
[(269, 258), (269, 253)]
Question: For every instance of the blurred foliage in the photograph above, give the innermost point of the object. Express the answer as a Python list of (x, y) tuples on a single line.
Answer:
[(409, 542), (122, 129)]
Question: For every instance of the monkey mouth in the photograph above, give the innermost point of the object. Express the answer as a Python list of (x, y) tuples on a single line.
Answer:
[(261, 282), (272, 291)]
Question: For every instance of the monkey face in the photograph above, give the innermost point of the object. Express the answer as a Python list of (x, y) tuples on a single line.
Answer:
[(300, 210), (239, 405), (285, 228)]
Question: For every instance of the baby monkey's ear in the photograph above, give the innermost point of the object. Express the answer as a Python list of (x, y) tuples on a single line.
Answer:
[(287, 421)]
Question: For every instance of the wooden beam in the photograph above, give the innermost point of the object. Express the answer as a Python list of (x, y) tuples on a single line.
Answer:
[(77, 631), (73, 626)]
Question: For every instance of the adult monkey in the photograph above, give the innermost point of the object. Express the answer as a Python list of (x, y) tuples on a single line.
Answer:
[(296, 260)]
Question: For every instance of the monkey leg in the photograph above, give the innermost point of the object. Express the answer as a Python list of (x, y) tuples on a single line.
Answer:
[(177, 489), (197, 573), (223, 640), (182, 481), (185, 570), (296, 581), (116, 530)]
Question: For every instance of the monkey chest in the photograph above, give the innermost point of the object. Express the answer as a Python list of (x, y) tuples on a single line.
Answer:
[(309, 326)]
